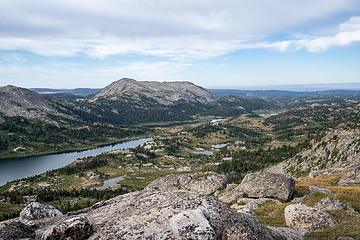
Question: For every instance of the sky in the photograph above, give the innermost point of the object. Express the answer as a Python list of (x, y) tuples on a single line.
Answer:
[(212, 43)]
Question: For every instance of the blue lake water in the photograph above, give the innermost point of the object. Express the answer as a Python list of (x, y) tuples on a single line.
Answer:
[(209, 153), (16, 168)]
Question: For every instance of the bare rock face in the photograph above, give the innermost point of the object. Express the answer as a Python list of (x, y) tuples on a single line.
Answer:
[(16, 230), (331, 203), (157, 215), (205, 183), (267, 185), (77, 228), (351, 178), (37, 210), (307, 219), (192, 224)]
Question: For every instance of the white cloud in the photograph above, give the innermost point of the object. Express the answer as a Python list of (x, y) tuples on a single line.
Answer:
[(187, 29), (75, 75), (348, 34)]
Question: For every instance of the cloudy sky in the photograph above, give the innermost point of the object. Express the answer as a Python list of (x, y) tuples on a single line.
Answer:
[(228, 43)]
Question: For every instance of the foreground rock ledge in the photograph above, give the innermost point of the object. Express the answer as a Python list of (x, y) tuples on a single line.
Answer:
[(158, 215)]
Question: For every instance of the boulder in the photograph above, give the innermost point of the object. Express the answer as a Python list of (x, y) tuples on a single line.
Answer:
[(331, 203), (307, 219), (192, 224), (267, 185), (77, 228), (313, 189), (16, 230), (37, 210), (351, 178), (284, 233), (161, 215), (205, 183)]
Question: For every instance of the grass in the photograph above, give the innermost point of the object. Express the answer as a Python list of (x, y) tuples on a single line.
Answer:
[(271, 214)]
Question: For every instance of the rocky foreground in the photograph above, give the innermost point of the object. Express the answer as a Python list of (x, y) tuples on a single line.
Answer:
[(166, 209)]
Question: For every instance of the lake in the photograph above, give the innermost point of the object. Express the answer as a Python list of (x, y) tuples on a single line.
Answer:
[(16, 168)]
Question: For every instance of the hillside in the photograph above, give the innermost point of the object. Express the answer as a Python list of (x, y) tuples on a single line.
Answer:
[(21, 102), (164, 93), (336, 151)]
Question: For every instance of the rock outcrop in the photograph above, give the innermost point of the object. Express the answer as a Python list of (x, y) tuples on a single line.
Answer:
[(205, 183), (307, 219), (37, 210), (267, 185), (335, 152), (152, 215)]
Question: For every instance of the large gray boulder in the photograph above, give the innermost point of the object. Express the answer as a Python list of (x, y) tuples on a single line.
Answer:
[(331, 204), (77, 228), (267, 185), (162, 215), (307, 219), (36, 210), (205, 183)]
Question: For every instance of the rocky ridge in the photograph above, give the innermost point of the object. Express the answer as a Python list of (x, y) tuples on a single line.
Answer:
[(337, 150), (16, 101)]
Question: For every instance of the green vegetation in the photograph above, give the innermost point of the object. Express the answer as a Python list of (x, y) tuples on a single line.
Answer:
[(22, 137)]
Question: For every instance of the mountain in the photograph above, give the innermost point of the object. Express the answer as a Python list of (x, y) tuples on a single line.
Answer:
[(21, 102), (165, 93)]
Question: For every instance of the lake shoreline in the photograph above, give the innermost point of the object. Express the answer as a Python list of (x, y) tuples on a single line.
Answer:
[(84, 148), (36, 165)]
